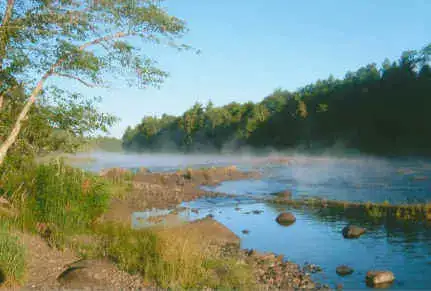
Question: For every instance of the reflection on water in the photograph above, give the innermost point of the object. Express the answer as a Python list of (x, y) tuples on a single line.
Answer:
[(404, 248)]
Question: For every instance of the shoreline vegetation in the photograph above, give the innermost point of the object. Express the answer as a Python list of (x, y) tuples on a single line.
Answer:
[(347, 115), (63, 227)]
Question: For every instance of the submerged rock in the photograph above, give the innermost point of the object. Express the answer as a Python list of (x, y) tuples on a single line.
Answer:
[(344, 270), (245, 231), (379, 278), (286, 218), (352, 231)]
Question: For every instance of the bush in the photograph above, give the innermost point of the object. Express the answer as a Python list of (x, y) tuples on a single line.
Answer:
[(12, 258)]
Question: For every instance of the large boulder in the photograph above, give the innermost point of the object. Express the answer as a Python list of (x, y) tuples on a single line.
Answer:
[(286, 218), (352, 231), (84, 273), (344, 270), (379, 278)]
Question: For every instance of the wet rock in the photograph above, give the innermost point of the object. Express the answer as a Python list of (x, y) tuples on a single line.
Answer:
[(344, 270), (209, 216), (245, 231), (352, 231), (379, 278), (194, 210), (339, 287), (237, 209), (286, 218)]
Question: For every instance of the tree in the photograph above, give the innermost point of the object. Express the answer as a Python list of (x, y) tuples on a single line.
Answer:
[(89, 42)]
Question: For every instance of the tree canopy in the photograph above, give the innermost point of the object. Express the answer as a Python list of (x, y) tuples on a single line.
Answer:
[(379, 110), (94, 43)]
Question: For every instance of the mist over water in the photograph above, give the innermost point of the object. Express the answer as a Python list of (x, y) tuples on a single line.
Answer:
[(402, 247)]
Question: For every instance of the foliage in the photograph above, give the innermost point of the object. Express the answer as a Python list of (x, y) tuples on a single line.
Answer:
[(92, 43), (376, 110), (102, 143), (12, 257), (56, 198)]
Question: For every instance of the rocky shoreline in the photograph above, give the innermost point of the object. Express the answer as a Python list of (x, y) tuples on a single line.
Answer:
[(168, 190)]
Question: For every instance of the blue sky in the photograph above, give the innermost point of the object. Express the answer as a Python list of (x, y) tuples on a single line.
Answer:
[(251, 47)]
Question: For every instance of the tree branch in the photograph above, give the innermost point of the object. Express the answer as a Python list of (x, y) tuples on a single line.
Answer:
[(4, 39), (10, 140), (76, 78)]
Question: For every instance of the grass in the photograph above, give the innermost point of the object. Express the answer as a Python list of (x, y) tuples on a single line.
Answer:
[(417, 212), (12, 258), (61, 203), (170, 261), (56, 200)]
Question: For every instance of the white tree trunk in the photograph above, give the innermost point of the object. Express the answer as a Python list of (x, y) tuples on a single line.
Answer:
[(4, 147)]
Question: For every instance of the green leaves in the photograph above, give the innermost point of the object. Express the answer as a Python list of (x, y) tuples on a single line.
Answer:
[(91, 43)]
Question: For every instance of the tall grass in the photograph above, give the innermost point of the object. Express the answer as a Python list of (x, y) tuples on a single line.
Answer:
[(170, 261), (12, 258), (56, 199)]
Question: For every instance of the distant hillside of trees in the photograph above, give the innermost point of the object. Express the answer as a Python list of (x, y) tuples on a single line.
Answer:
[(378, 110), (102, 143)]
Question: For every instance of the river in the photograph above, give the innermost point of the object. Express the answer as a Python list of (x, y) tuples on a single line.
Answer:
[(402, 247)]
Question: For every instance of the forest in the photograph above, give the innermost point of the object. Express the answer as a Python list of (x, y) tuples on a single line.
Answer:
[(376, 110)]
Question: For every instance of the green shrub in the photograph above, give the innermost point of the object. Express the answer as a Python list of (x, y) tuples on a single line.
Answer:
[(55, 197), (135, 251), (12, 258), (69, 198)]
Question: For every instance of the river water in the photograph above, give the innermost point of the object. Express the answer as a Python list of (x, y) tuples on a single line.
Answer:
[(402, 247)]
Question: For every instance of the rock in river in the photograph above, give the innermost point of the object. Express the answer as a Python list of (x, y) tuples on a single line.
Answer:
[(344, 270), (379, 278), (286, 218), (352, 231)]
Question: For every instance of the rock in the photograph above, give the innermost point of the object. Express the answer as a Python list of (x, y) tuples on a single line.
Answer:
[(237, 209), (312, 268), (286, 218), (85, 273), (378, 278), (339, 287), (194, 210), (286, 194), (257, 211), (245, 231), (344, 270), (352, 231)]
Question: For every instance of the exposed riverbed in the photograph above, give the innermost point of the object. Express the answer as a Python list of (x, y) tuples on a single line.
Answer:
[(402, 247)]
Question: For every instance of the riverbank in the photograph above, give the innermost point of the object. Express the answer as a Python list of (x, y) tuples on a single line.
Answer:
[(106, 253)]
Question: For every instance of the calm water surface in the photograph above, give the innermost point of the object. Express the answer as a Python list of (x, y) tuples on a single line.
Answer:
[(404, 248)]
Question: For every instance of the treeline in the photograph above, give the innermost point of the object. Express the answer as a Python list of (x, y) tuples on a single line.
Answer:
[(101, 143), (379, 110)]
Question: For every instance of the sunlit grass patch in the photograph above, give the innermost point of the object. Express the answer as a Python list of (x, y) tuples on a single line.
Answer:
[(12, 258)]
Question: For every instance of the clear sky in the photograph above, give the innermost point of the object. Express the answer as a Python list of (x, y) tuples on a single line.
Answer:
[(251, 47)]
